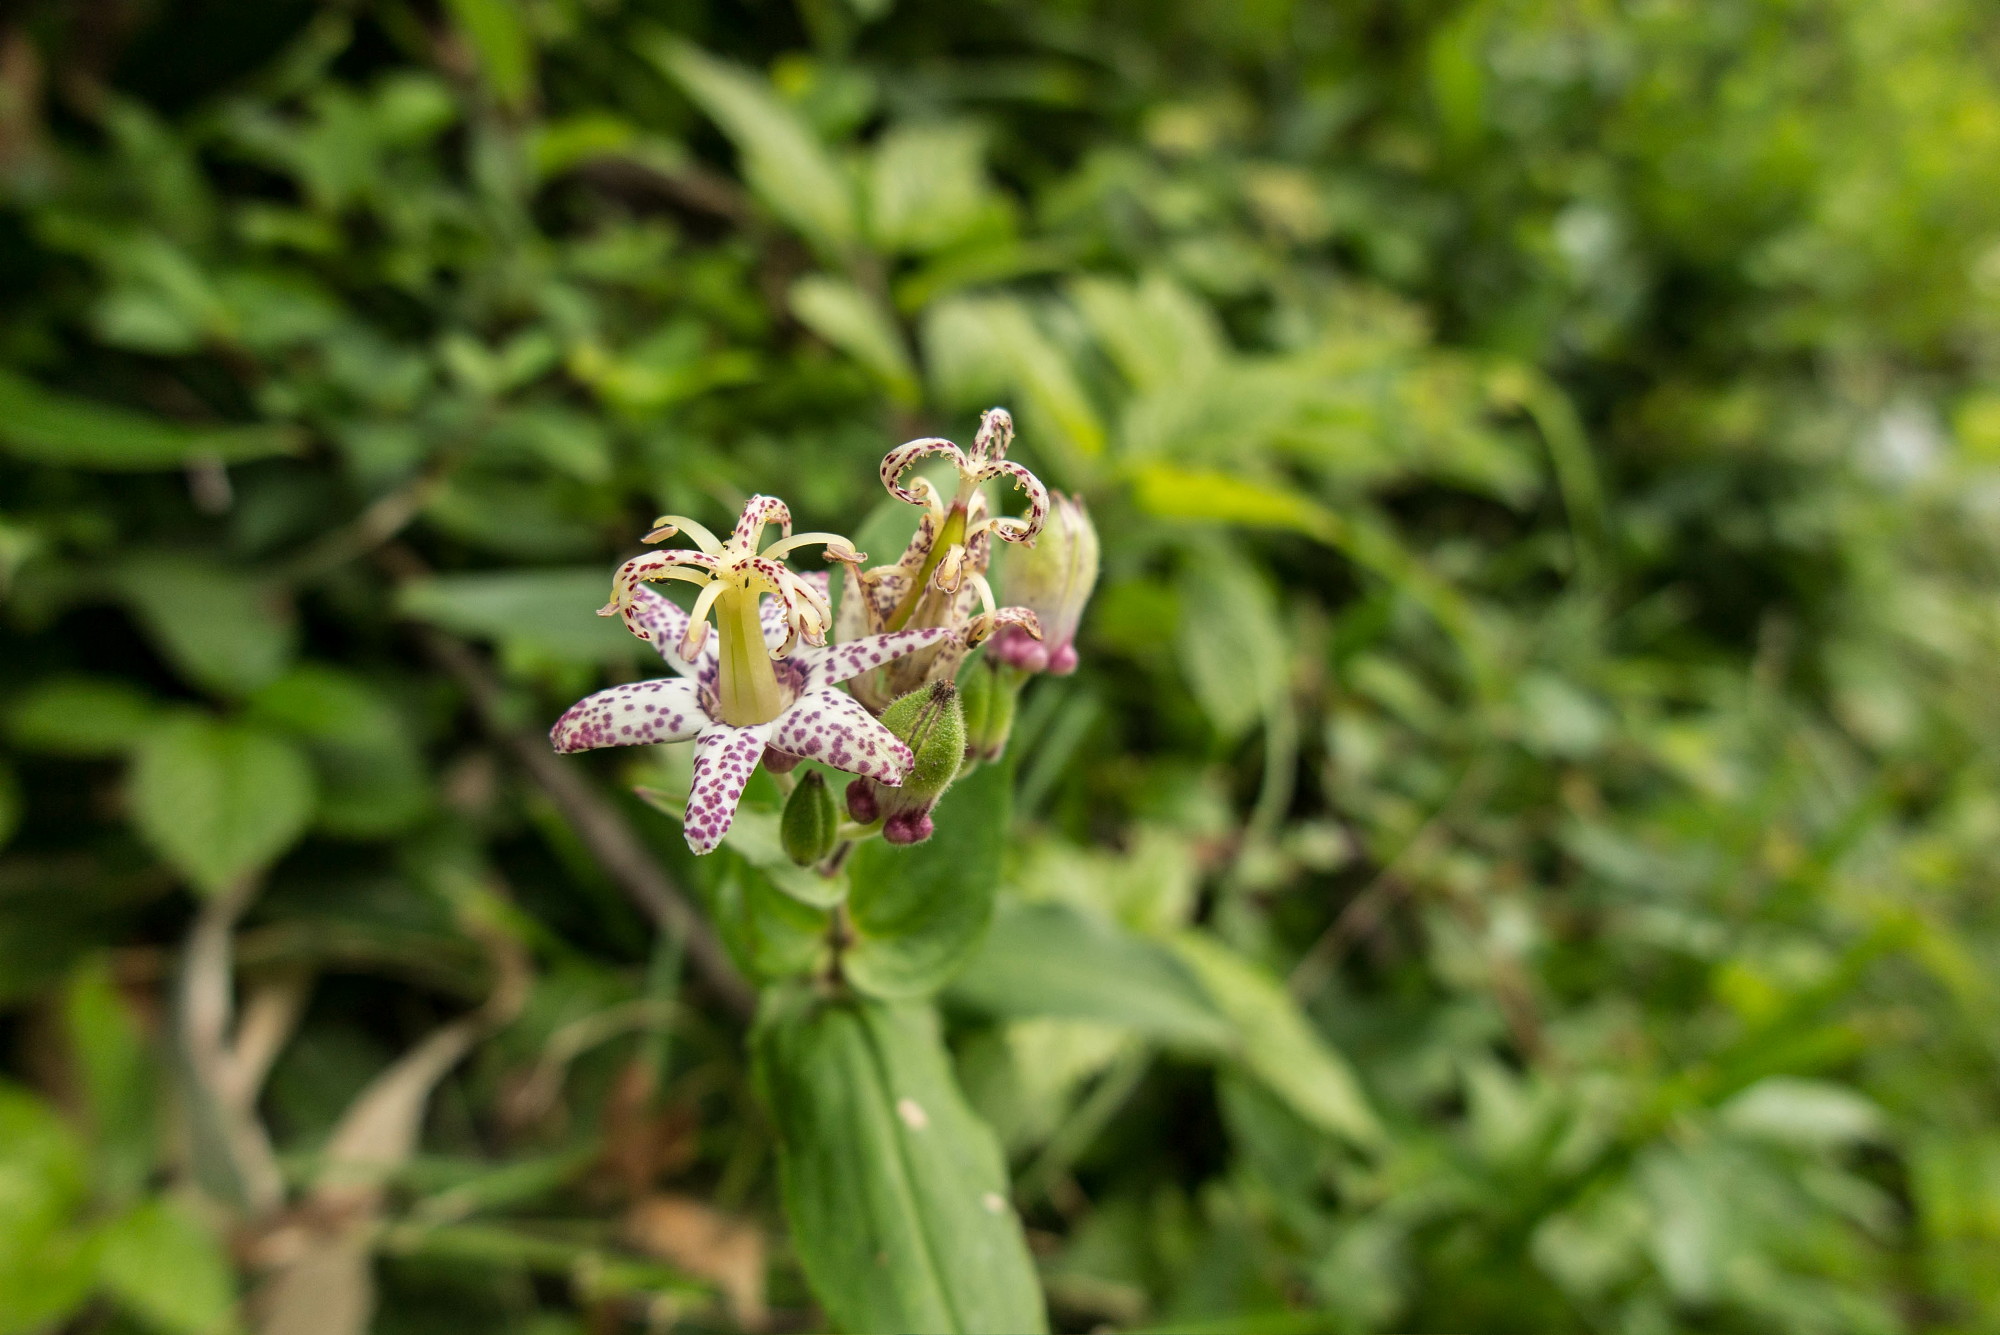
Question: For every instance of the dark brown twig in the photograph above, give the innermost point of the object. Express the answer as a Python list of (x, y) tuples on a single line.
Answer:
[(606, 833)]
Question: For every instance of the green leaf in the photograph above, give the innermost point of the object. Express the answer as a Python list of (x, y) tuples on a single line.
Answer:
[(371, 775), (1232, 644), (927, 186), (770, 934), (50, 428), (217, 800), (755, 835), (918, 912), (783, 161), (10, 804), (81, 716), (117, 1079), (552, 611), (1051, 960), (847, 318), (163, 1265), (45, 1259), (896, 1192), (506, 53), (1277, 1043), (223, 629)]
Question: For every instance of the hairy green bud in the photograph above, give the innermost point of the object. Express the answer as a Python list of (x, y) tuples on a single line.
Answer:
[(989, 692), (931, 720), (811, 821)]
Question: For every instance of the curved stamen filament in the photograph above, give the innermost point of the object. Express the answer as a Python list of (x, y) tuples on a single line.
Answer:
[(666, 526)]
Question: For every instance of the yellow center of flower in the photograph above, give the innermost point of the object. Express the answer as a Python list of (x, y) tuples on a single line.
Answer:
[(950, 534), (746, 682)]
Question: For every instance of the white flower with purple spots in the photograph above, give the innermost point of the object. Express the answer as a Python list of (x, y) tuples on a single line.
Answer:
[(816, 720)]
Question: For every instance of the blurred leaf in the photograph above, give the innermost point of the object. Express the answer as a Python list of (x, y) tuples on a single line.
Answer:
[(782, 159), (918, 912), (1811, 1114), (219, 801), (163, 1264), (1232, 646), (118, 1076), (371, 775), (506, 53), (46, 1262), (1046, 959), (223, 629), (1278, 1045), (81, 716), (770, 934), (896, 1193), (10, 804), (927, 186), (840, 313), (552, 610), (45, 427)]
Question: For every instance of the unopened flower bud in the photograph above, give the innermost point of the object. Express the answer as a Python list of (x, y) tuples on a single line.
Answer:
[(861, 803), (988, 691), (931, 721), (811, 821), (1054, 579)]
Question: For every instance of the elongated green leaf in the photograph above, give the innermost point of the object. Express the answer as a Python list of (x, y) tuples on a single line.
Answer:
[(896, 1192), (506, 54), (117, 1079), (43, 426), (219, 801), (163, 1265), (846, 317), (81, 716), (785, 164), (1277, 1044), (1050, 960), (552, 611), (918, 912)]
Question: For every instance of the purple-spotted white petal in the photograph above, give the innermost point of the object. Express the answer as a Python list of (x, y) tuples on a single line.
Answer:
[(845, 661), (724, 759), (665, 709), (831, 727)]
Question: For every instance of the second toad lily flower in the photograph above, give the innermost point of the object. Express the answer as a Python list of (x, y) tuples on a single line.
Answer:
[(749, 687), (940, 580)]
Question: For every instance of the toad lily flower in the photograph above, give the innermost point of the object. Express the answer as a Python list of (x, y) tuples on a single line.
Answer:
[(749, 687), (940, 580)]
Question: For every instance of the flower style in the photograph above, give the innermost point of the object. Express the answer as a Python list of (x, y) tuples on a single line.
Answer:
[(1054, 579), (749, 693), (940, 579)]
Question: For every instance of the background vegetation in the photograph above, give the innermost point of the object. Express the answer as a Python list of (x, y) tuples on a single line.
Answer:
[(1518, 855)]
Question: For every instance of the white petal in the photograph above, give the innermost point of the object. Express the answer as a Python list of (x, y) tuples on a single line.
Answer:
[(829, 667), (665, 621), (831, 727), (664, 709), (724, 759)]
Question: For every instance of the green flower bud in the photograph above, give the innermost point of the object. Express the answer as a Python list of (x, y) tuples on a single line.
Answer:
[(989, 692), (811, 821), (931, 721)]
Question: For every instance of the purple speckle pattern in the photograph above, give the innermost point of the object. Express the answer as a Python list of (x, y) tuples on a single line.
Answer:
[(845, 661), (757, 512), (724, 758), (664, 620), (662, 710), (833, 728), (1026, 527), (897, 462)]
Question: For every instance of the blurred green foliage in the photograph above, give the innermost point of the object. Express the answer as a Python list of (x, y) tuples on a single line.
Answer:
[(1517, 856)]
